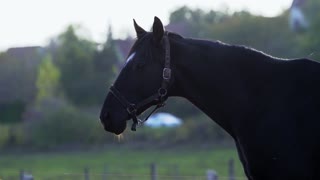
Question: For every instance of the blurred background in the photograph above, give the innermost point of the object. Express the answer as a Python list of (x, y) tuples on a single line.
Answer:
[(58, 59)]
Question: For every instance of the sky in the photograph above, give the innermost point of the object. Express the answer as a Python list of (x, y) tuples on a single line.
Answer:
[(34, 22)]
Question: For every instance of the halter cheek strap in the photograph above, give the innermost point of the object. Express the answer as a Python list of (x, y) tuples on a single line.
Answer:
[(158, 97)]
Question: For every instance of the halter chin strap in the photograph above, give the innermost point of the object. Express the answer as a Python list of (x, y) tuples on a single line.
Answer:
[(158, 97)]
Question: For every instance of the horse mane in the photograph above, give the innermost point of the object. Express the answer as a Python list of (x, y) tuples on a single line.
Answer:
[(236, 49), (175, 35)]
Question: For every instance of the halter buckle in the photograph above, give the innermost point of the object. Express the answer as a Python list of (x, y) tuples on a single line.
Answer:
[(166, 74), (132, 109)]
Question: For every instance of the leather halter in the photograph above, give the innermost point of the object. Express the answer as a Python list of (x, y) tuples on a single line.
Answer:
[(158, 97)]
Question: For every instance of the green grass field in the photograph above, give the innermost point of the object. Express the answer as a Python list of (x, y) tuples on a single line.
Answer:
[(122, 163)]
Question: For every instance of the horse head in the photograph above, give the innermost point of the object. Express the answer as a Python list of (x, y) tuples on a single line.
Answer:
[(142, 82)]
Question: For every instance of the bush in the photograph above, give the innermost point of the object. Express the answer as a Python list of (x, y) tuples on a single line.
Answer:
[(11, 136), (4, 135), (11, 112), (195, 130), (202, 128), (64, 125)]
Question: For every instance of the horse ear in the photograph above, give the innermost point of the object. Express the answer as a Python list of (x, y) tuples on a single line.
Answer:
[(158, 29), (139, 30)]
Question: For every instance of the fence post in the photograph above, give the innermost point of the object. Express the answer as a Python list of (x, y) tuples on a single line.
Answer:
[(86, 173), (21, 174), (153, 171), (105, 173), (176, 172), (231, 170), (212, 175)]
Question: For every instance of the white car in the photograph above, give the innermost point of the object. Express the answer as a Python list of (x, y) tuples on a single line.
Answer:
[(163, 120)]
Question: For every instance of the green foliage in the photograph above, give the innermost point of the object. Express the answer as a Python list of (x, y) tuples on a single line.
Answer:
[(74, 58), (11, 112), (48, 79), (242, 28), (310, 39), (201, 129), (11, 135), (4, 135), (106, 59), (17, 82), (62, 124), (18, 68), (105, 65), (198, 129), (181, 107), (85, 70), (256, 32), (197, 19)]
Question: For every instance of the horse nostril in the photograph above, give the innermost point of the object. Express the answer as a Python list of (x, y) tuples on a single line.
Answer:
[(104, 116)]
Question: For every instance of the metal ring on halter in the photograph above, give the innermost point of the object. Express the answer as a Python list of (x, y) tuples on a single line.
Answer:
[(162, 92)]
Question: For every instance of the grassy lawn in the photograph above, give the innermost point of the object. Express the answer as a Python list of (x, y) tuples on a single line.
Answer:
[(122, 163)]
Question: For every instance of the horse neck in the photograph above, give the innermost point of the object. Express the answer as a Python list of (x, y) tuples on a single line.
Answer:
[(207, 74)]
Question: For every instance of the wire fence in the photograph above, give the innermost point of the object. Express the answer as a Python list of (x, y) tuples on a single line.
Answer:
[(150, 172), (115, 176)]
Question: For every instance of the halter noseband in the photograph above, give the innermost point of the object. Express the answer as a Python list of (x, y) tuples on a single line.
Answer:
[(158, 97)]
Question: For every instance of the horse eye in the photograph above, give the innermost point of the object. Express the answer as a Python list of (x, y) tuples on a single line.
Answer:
[(139, 66)]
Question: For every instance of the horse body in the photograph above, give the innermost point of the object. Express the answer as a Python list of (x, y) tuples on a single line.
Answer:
[(270, 106)]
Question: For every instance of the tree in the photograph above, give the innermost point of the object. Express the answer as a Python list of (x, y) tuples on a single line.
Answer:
[(18, 71), (106, 59), (47, 80), (310, 39), (75, 60), (181, 14), (105, 65), (242, 28)]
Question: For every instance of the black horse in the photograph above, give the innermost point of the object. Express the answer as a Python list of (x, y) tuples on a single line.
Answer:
[(270, 106)]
